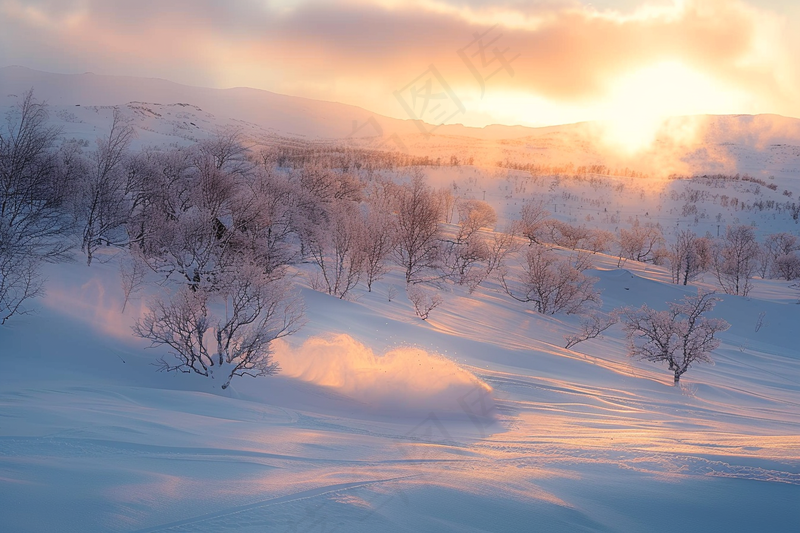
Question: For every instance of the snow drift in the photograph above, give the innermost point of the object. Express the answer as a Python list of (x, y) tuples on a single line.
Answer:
[(404, 380)]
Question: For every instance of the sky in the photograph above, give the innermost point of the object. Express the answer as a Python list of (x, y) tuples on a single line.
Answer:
[(476, 62)]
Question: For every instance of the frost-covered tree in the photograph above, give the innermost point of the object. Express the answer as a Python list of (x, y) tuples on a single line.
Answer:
[(103, 206), (567, 235), (224, 331), (551, 284), (34, 186), (532, 223), (379, 238), (472, 216), (679, 336), (465, 261), (736, 260), (640, 242), (592, 327), (194, 239), (423, 301), (775, 246), (339, 250), (418, 214), (380, 230), (689, 256), (787, 266)]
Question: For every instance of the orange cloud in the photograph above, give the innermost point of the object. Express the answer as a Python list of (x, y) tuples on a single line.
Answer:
[(359, 52)]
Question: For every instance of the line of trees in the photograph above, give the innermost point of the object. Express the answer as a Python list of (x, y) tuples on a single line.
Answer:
[(734, 259)]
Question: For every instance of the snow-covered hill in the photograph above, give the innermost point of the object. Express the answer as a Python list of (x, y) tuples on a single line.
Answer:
[(762, 145), (476, 420)]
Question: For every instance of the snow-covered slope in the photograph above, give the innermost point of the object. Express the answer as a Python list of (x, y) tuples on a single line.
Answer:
[(477, 420)]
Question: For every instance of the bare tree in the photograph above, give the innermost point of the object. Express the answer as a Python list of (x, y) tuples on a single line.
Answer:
[(599, 241), (196, 239), (33, 192), (689, 256), (19, 281), (266, 216), (465, 262), (472, 216), (581, 260), (327, 185), (448, 202), (379, 238), (258, 309), (736, 260), (418, 215), (225, 150), (776, 245), (640, 242), (380, 231), (592, 327), (533, 217), (551, 284), (567, 235), (680, 336), (502, 244), (133, 269), (339, 251), (162, 183), (103, 206), (472, 260), (787, 266)]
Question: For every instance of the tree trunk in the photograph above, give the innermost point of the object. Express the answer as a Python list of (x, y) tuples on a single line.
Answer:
[(677, 377)]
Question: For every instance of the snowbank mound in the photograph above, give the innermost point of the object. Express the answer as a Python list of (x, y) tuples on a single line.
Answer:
[(402, 381)]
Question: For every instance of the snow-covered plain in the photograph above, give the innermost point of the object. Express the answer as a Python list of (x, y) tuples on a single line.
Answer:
[(475, 420)]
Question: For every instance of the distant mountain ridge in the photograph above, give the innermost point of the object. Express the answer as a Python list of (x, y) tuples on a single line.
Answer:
[(762, 145)]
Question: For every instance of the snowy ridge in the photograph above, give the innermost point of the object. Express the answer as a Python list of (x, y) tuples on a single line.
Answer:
[(761, 145)]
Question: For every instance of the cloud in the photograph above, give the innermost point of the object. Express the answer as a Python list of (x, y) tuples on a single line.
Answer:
[(359, 52)]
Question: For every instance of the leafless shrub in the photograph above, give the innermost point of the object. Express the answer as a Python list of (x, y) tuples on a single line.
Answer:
[(423, 301), (254, 310), (391, 292)]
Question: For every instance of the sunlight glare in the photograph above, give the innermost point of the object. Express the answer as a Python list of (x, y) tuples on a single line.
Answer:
[(641, 102)]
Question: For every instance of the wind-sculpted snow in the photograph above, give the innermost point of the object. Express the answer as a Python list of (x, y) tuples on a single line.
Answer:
[(402, 381)]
